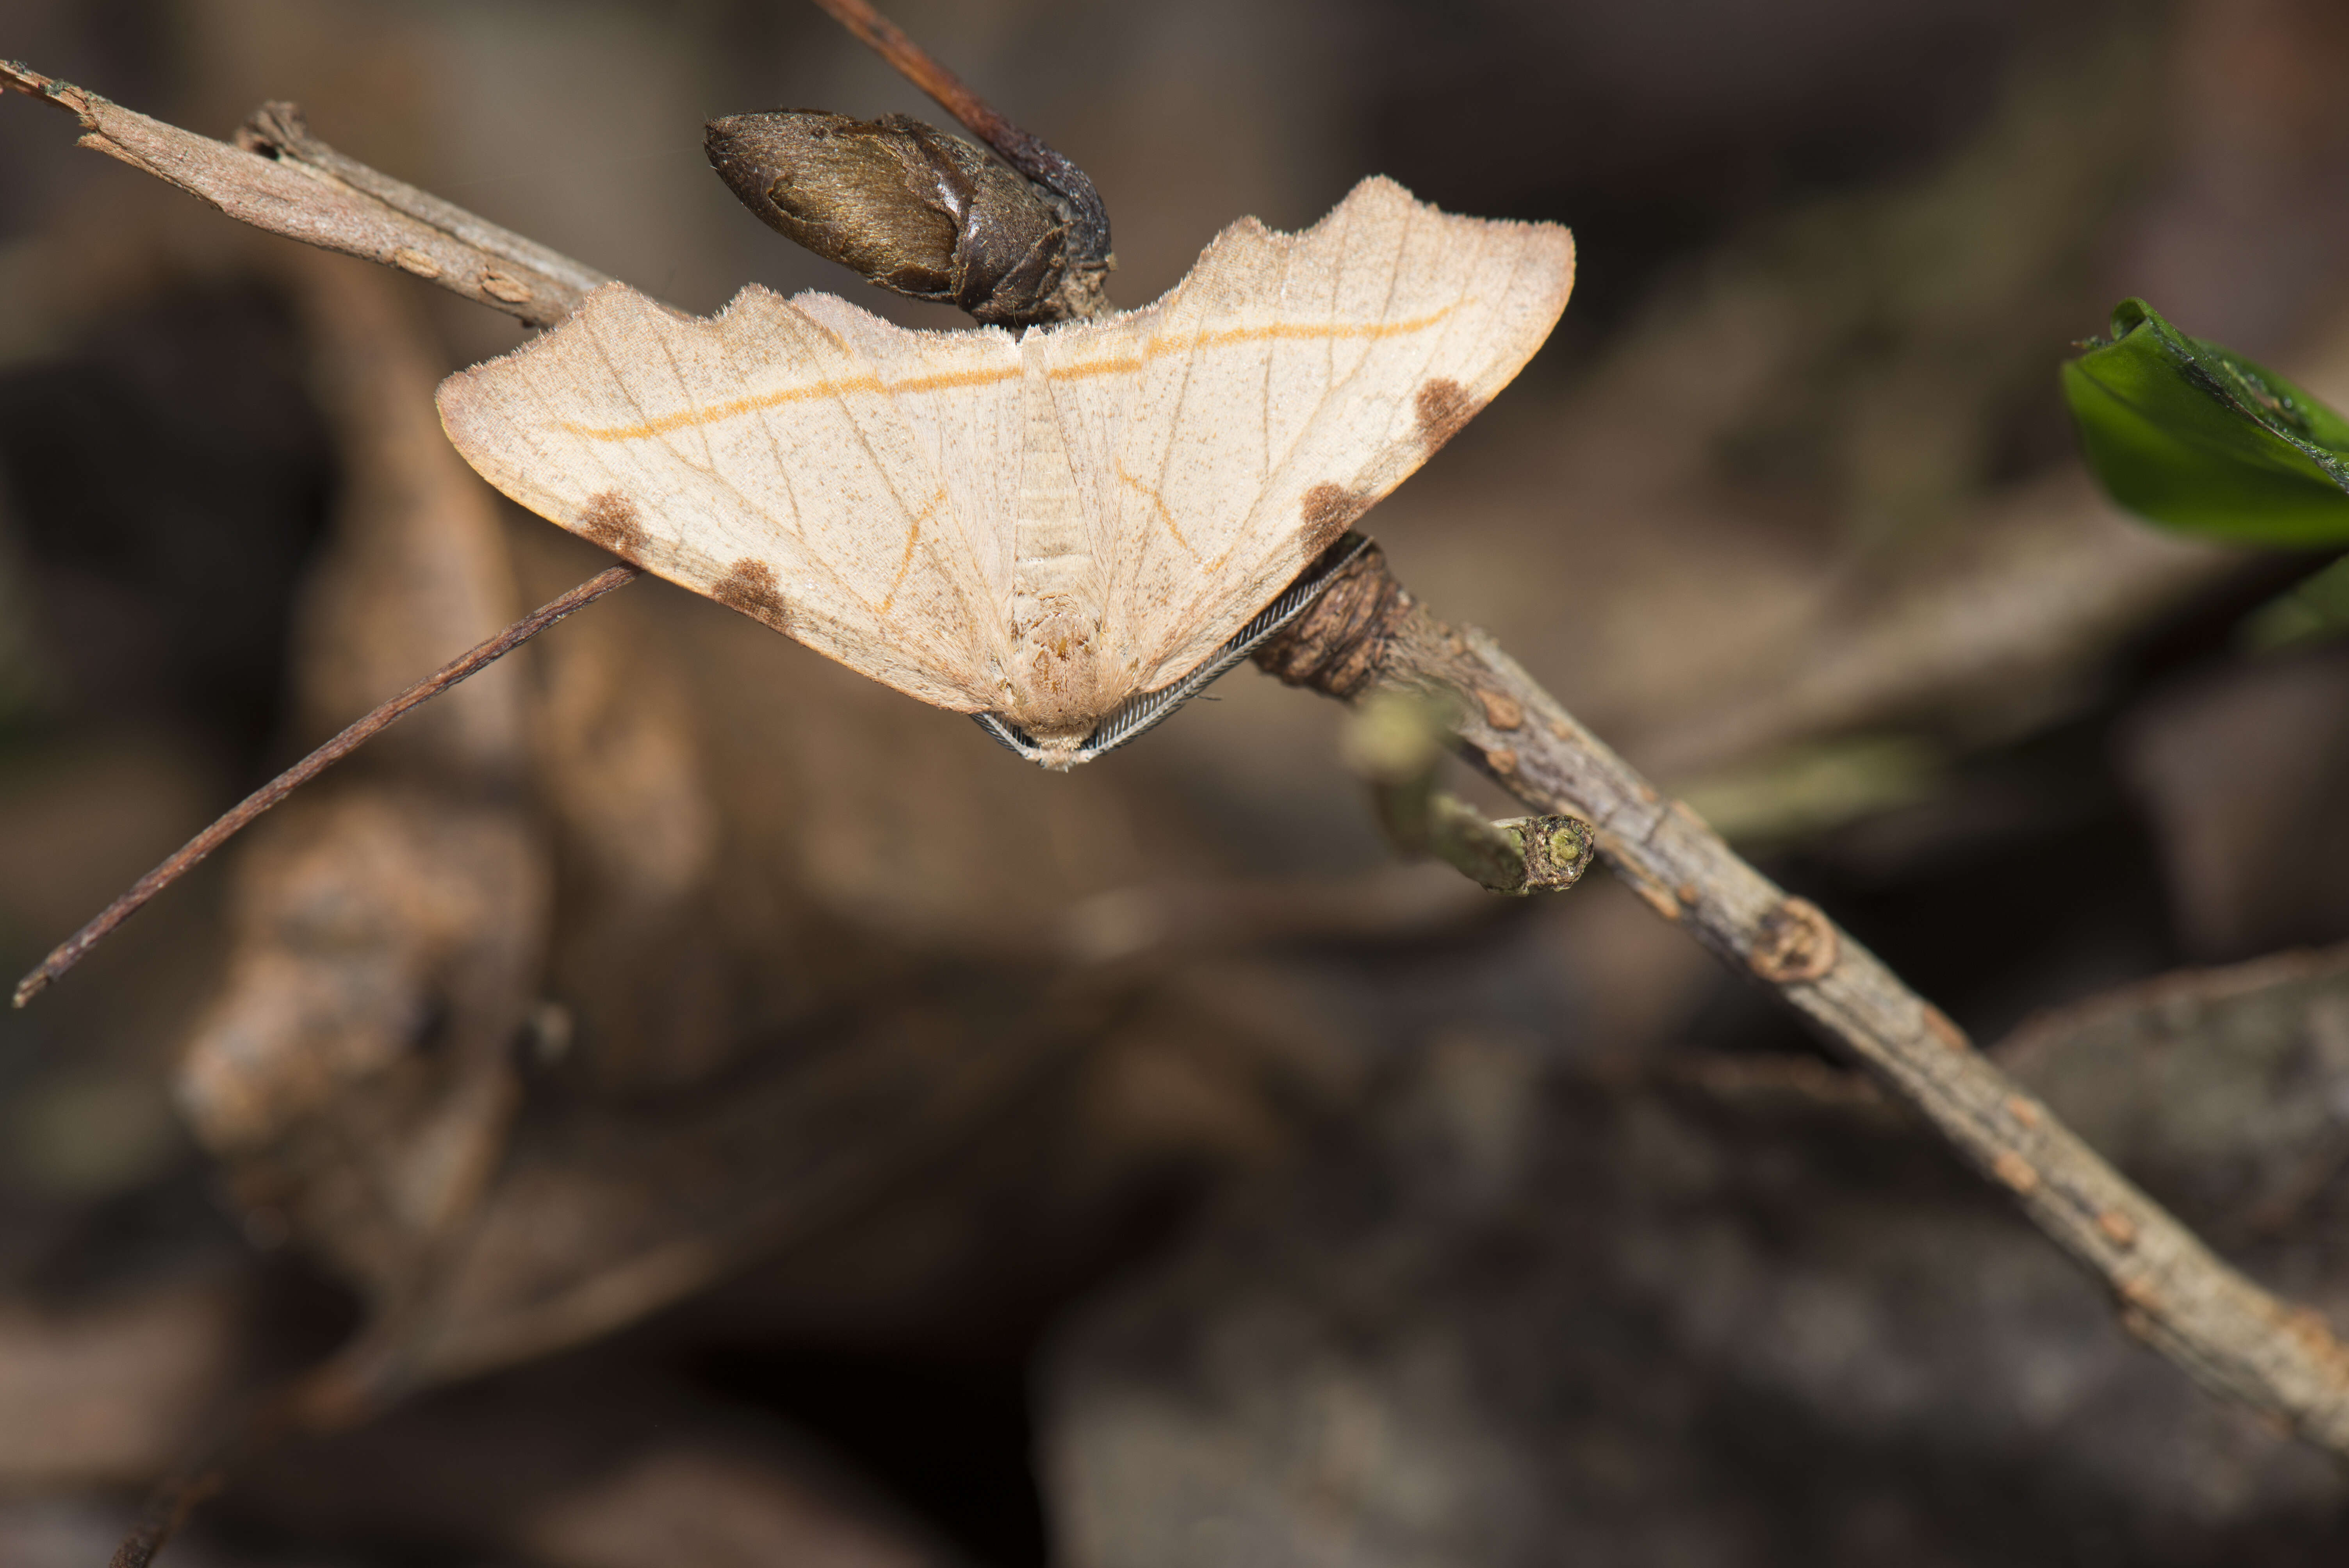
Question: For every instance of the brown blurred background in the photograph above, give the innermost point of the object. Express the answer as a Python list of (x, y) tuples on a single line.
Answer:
[(752, 1119)]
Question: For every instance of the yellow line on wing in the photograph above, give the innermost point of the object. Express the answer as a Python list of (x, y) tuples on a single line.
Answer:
[(1282, 331), (715, 413), (1158, 500), (905, 561)]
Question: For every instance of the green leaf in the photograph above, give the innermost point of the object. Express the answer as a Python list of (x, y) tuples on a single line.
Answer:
[(2317, 608), (2201, 440)]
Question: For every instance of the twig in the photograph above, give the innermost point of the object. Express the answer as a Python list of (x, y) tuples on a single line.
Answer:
[(341, 1392), (1027, 154), (1367, 635), (227, 827), (168, 1506), (1395, 743), (282, 179)]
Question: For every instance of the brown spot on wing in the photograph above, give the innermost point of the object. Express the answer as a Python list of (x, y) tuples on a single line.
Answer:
[(611, 521), (1329, 511), (749, 586), (1443, 407)]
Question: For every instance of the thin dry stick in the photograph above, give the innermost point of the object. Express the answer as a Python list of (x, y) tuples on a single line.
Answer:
[(282, 179), (168, 1509), (195, 850), (914, 64), (1366, 632), (341, 1392), (1366, 635), (1027, 154), (951, 94)]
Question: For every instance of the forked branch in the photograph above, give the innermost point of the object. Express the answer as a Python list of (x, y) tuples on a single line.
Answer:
[(1396, 744), (1367, 635)]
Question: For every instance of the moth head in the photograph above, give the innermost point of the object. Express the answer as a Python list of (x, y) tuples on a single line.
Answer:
[(911, 209)]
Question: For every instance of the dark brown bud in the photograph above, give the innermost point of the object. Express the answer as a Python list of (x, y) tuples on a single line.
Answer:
[(913, 209)]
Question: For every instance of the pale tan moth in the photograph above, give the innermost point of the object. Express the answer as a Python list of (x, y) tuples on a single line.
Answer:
[(1062, 532)]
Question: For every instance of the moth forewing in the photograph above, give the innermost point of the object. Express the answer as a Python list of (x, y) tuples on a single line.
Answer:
[(1046, 528), (758, 457), (1284, 386)]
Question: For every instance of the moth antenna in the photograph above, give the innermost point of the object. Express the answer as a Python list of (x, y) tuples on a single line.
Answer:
[(1031, 155), (236, 818)]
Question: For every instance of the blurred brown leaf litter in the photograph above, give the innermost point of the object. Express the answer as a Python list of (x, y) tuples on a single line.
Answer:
[(764, 1123)]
